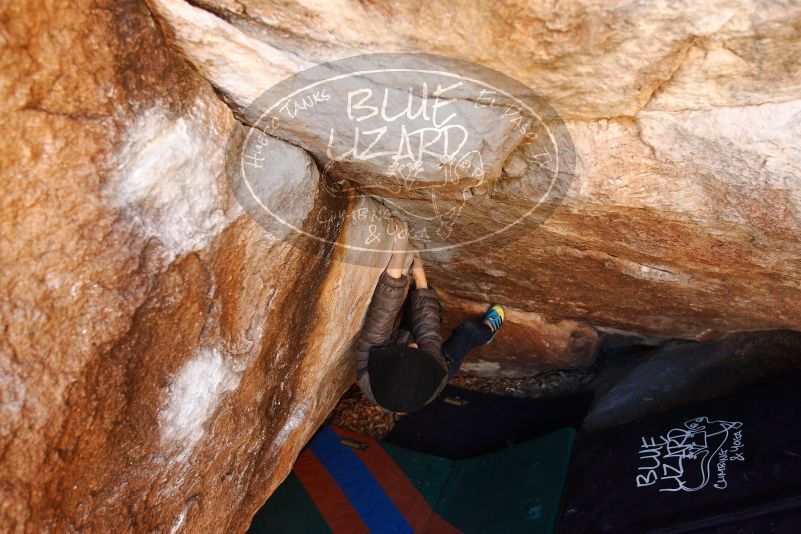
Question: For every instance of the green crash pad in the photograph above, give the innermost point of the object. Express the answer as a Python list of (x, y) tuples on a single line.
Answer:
[(515, 490)]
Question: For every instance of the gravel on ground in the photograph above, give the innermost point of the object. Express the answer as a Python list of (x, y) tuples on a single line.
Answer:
[(358, 414)]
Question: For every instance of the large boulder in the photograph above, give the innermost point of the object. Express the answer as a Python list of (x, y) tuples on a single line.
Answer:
[(683, 218), (683, 372), (163, 357), (165, 353)]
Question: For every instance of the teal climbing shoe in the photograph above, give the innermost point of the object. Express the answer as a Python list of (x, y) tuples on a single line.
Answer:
[(494, 319)]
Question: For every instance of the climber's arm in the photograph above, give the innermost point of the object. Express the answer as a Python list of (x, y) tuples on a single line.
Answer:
[(425, 311), (387, 300), (418, 272), (400, 248)]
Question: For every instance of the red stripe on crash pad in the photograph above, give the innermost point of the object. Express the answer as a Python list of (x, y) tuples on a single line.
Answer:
[(327, 496), (398, 487)]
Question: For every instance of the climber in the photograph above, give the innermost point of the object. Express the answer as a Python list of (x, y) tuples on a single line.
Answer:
[(404, 369)]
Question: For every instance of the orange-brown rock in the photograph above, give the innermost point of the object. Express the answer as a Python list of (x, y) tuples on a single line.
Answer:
[(162, 358), (529, 344), (684, 214)]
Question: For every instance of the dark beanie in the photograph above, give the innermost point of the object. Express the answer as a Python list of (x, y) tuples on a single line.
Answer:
[(403, 379)]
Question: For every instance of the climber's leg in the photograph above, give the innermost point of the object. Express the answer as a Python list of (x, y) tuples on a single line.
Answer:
[(464, 338), (468, 336)]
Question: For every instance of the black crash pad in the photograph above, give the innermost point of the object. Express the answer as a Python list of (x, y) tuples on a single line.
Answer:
[(722, 465)]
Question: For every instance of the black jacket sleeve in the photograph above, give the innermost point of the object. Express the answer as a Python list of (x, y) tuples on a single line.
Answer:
[(379, 322), (424, 308)]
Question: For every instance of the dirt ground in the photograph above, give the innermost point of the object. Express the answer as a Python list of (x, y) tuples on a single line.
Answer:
[(356, 413)]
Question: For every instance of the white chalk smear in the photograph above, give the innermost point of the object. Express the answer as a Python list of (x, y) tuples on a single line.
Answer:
[(170, 178), (195, 392), (296, 417), (179, 522)]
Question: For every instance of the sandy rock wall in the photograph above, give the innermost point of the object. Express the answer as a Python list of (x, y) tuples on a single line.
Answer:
[(162, 358), (530, 342), (684, 216)]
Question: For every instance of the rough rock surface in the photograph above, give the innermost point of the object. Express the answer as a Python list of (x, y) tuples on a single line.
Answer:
[(529, 343), (685, 213), (163, 358)]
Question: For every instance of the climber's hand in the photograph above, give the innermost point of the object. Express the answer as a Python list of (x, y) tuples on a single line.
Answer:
[(400, 237), (419, 272), (400, 247)]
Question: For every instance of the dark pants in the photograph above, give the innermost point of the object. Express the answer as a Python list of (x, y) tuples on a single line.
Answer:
[(465, 338)]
